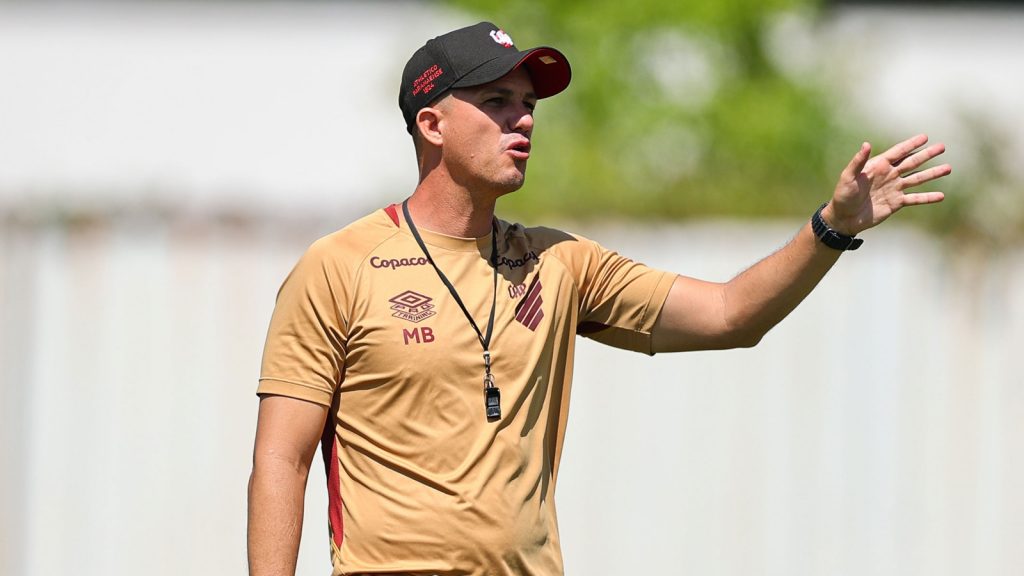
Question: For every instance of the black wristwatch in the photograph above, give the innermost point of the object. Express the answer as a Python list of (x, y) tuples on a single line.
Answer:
[(830, 237)]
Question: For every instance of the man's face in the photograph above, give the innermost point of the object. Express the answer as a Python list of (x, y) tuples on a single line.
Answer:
[(486, 131)]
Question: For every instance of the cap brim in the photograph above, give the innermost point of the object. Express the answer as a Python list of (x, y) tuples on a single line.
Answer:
[(548, 69)]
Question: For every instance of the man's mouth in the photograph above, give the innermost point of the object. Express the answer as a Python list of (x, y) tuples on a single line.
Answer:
[(520, 149)]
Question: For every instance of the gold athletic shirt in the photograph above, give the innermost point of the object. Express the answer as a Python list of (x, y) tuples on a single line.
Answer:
[(418, 480)]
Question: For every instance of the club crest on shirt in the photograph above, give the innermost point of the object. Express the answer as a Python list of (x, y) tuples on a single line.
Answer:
[(412, 306)]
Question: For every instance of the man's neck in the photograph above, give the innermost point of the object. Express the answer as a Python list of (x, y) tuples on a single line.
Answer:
[(451, 211)]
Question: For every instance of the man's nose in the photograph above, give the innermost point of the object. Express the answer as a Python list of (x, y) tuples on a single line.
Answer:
[(522, 121)]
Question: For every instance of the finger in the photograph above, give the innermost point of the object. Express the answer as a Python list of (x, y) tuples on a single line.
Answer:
[(857, 163), (918, 178), (920, 198), (912, 162), (903, 149)]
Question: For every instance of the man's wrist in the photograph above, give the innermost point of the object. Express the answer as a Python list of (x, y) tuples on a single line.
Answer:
[(829, 215), (822, 228)]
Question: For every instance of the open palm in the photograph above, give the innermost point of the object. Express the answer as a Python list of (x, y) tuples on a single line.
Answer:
[(872, 189)]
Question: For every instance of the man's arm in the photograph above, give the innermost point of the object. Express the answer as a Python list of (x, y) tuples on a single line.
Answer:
[(287, 434), (700, 315)]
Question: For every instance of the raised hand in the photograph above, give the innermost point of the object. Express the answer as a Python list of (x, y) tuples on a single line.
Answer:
[(872, 189)]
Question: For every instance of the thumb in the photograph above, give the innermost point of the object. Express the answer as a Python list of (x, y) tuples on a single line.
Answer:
[(857, 163)]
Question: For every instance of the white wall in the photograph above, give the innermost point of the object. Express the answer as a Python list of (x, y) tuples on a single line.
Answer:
[(875, 431), (270, 105)]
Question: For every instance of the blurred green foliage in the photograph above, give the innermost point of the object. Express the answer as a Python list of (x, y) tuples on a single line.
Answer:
[(675, 110), (678, 110)]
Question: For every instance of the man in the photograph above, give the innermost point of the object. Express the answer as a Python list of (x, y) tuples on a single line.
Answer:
[(429, 345)]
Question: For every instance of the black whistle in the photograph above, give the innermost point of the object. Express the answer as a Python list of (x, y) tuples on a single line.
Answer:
[(492, 404)]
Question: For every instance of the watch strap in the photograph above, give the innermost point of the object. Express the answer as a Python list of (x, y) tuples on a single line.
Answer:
[(830, 237)]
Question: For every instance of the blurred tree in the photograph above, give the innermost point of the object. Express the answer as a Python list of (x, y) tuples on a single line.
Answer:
[(676, 109)]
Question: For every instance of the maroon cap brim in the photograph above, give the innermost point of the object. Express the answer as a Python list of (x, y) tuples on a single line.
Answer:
[(548, 69)]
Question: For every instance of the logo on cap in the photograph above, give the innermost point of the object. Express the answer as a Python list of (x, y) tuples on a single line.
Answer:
[(500, 37), (425, 82)]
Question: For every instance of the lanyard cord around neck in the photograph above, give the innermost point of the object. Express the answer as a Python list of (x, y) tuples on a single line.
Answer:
[(485, 340)]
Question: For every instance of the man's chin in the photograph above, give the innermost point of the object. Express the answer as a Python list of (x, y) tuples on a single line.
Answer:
[(509, 181), (512, 184)]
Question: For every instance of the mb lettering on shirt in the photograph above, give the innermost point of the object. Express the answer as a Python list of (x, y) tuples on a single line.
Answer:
[(425, 83)]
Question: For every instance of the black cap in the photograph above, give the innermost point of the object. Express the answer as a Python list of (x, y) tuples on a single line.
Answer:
[(471, 56)]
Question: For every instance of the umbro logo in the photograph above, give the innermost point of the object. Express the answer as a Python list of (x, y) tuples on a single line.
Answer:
[(412, 306)]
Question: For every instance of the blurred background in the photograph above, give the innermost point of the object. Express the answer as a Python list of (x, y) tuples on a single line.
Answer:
[(163, 165)]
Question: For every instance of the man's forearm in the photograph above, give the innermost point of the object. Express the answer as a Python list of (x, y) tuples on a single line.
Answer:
[(700, 315), (760, 297), (276, 497)]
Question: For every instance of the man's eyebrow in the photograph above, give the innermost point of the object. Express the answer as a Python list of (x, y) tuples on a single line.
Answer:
[(507, 92)]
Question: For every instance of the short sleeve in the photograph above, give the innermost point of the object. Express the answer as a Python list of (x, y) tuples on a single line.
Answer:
[(620, 299), (304, 355)]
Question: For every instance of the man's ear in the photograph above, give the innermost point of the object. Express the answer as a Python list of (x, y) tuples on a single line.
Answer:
[(428, 122)]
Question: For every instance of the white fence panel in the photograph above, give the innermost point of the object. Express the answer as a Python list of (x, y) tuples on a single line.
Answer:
[(874, 431)]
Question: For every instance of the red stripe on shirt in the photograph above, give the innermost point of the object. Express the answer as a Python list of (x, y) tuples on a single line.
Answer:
[(393, 213), (329, 449), (527, 301), (536, 320), (531, 310)]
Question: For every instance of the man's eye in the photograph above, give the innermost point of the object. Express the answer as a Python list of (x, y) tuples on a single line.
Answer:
[(496, 101), (530, 105)]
